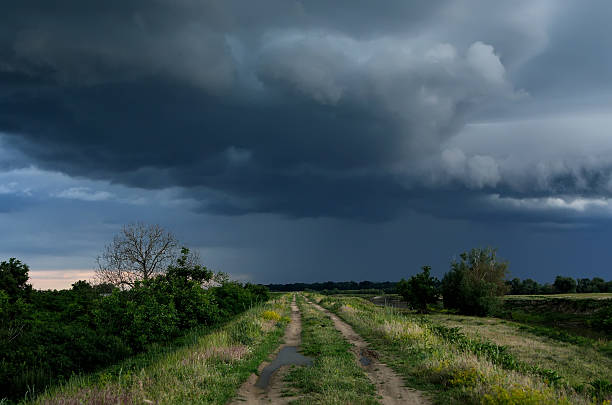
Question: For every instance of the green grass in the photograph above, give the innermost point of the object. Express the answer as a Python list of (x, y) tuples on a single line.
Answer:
[(334, 377), (208, 368), (458, 366), (576, 359), (573, 314), (577, 296)]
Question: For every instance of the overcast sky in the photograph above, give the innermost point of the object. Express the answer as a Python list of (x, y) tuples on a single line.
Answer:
[(309, 140)]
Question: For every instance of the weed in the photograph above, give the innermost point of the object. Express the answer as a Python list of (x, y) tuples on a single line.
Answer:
[(270, 316), (457, 367), (520, 395), (334, 377), (602, 389)]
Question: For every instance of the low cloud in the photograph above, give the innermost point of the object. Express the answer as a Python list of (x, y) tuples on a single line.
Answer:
[(84, 193), (304, 114)]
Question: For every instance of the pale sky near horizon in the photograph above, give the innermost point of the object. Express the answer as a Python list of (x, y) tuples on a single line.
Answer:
[(290, 140)]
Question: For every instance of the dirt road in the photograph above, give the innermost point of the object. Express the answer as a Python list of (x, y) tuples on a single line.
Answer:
[(390, 386), (267, 388)]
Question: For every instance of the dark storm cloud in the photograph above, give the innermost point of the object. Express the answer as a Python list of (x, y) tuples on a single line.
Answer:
[(303, 108), (576, 55)]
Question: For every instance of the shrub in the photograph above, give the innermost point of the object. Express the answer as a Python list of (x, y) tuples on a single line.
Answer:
[(519, 395), (420, 290), (602, 319), (233, 298), (13, 279), (564, 285), (46, 336), (475, 283), (270, 316)]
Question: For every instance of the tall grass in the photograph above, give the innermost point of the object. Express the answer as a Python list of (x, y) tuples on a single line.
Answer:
[(458, 368), (334, 377), (208, 368)]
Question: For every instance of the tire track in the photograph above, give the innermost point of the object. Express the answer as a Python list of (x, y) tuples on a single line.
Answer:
[(389, 386), (266, 386)]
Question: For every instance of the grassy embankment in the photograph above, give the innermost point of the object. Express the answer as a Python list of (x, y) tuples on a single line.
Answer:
[(571, 318), (579, 296), (334, 377), (576, 314), (492, 363), (206, 366)]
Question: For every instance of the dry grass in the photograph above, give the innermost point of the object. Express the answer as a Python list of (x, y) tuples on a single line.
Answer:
[(226, 354), (577, 296), (410, 345), (577, 364), (94, 396)]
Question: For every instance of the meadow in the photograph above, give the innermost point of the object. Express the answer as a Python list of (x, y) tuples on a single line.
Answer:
[(462, 359), (169, 340), (448, 358)]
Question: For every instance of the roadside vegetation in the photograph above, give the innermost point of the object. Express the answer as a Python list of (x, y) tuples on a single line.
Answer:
[(48, 336), (208, 365), (586, 315), (334, 377), (468, 367), (577, 363), (179, 333)]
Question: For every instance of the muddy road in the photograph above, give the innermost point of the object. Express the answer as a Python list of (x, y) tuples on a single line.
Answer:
[(268, 387), (389, 385)]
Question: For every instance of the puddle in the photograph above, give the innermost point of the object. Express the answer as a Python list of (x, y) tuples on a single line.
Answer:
[(365, 361), (287, 356)]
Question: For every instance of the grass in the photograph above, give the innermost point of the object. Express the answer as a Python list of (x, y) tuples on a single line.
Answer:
[(207, 369), (334, 377), (574, 314), (465, 366), (577, 296), (578, 361)]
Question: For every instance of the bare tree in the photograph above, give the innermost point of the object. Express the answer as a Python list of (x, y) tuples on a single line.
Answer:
[(138, 252)]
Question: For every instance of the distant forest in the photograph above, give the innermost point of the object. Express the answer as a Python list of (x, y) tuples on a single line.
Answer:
[(384, 286), (516, 286)]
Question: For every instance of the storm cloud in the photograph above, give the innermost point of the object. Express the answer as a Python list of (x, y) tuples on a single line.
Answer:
[(491, 113), (268, 107)]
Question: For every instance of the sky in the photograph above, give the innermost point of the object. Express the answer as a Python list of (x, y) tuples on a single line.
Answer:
[(302, 141)]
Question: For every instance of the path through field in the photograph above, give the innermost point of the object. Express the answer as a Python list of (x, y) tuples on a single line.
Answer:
[(390, 386), (268, 387)]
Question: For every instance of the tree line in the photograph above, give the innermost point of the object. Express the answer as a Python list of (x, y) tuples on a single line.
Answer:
[(477, 281), (516, 286), (384, 286), (46, 336), (561, 285)]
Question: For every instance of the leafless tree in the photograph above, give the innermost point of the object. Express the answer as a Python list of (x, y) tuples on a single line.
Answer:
[(138, 252)]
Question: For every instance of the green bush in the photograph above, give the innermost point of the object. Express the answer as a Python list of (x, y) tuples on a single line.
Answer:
[(234, 298), (602, 319), (420, 290), (46, 336), (475, 283)]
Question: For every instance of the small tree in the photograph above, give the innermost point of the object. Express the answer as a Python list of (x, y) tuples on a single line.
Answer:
[(564, 285), (14, 292), (13, 279), (139, 252), (475, 283), (420, 290)]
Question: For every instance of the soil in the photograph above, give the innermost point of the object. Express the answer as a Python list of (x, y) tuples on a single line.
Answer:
[(268, 387), (390, 386)]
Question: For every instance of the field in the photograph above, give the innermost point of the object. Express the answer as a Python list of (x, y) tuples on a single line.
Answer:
[(571, 314), (460, 359), (580, 296), (361, 353)]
